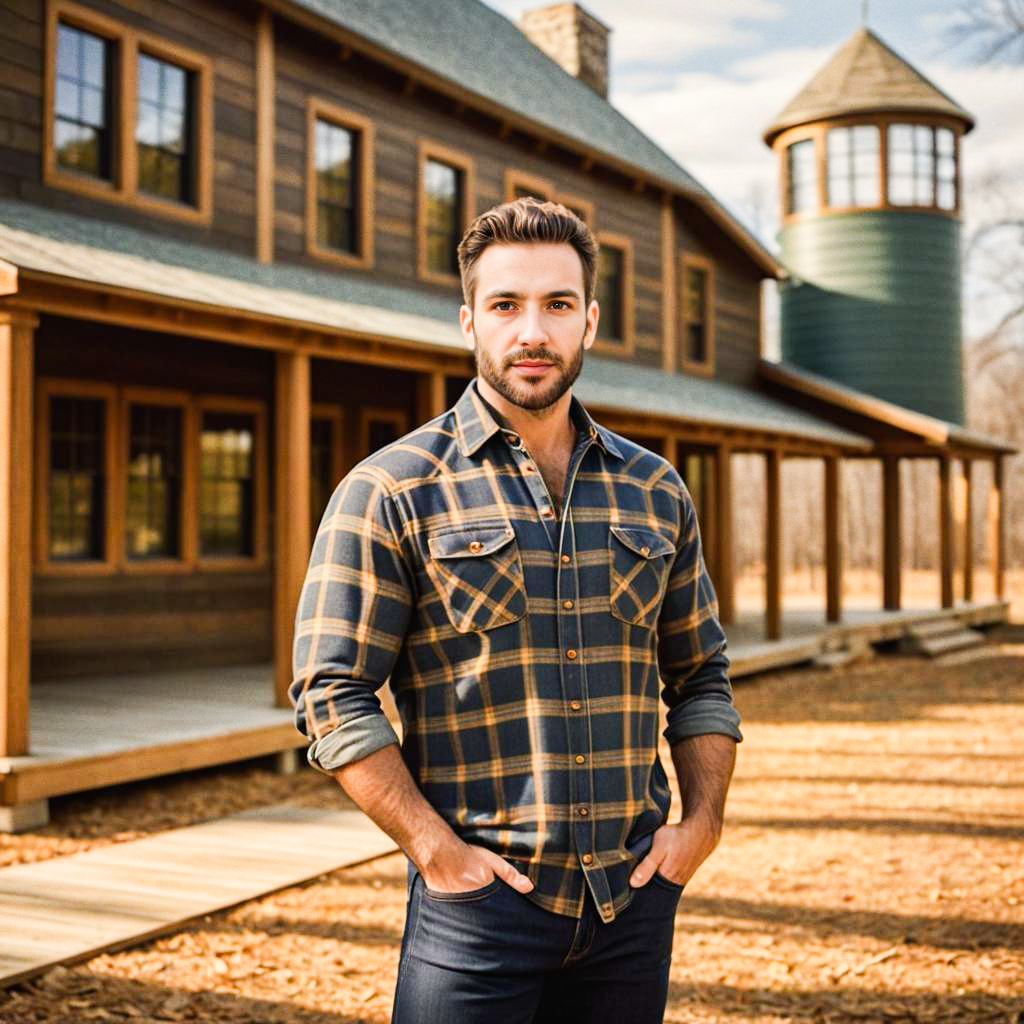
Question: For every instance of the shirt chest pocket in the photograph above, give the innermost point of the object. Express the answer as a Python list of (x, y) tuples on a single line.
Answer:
[(478, 575), (639, 562)]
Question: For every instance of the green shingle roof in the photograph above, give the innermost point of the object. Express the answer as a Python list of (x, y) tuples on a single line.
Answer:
[(48, 244)]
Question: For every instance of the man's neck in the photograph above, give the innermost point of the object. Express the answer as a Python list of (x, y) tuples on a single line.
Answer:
[(544, 431)]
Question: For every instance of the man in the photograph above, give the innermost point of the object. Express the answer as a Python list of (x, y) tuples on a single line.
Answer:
[(522, 576)]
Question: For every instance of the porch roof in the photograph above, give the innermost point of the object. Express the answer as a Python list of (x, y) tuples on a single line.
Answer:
[(53, 247)]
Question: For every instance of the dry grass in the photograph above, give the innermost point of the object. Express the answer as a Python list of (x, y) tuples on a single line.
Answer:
[(871, 871)]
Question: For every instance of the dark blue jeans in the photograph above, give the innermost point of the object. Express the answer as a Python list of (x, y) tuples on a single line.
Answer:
[(494, 956)]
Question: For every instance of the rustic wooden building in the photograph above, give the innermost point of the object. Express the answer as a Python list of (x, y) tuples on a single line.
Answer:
[(227, 273)]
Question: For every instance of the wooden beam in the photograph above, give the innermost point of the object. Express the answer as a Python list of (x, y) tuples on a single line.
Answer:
[(891, 533), (266, 95), (946, 559), (724, 561), (668, 285), (773, 545), (997, 527), (966, 509), (833, 540), (8, 278), (432, 395), (291, 506), (16, 383)]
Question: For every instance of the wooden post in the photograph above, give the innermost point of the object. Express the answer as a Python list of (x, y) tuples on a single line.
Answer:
[(266, 97), (16, 453), (724, 563), (967, 511), (833, 540), (773, 545), (997, 528), (432, 397), (669, 316), (291, 506), (891, 532), (946, 559)]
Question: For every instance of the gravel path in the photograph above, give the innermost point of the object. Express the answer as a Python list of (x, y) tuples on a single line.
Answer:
[(871, 871)]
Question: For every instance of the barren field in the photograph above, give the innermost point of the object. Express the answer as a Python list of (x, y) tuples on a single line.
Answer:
[(871, 870)]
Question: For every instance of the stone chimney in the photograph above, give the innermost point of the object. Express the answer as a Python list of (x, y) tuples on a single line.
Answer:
[(573, 38)]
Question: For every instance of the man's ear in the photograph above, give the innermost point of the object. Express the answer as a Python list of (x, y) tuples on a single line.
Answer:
[(593, 317), (466, 326)]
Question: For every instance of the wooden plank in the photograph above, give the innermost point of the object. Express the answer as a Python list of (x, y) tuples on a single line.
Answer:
[(833, 540), (997, 527), (69, 909), (946, 556), (16, 383), (966, 511), (891, 532), (773, 545)]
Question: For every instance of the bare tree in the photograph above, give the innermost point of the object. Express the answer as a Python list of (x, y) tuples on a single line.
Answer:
[(993, 29)]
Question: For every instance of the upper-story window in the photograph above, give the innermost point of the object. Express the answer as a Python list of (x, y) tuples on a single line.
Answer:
[(614, 292), (82, 137), (339, 211), (854, 166), (802, 177), (922, 166), (163, 129), (128, 116), (697, 340), (445, 206)]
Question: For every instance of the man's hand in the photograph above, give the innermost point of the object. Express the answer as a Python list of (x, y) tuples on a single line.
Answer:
[(460, 867), (678, 850)]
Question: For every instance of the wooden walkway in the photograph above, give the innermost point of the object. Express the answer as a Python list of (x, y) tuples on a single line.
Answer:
[(71, 908)]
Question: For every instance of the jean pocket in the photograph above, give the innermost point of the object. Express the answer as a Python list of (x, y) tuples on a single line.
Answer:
[(667, 883), (463, 897)]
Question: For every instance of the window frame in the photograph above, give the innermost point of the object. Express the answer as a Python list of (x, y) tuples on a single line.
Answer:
[(117, 439), (627, 346), (515, 177), (692, 260), (398, 418), (428, 149), (332, 413), (585, 206), (321, 109), (123, 186)]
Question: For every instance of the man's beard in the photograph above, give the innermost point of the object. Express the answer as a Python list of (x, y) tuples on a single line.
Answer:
[(534, 396)]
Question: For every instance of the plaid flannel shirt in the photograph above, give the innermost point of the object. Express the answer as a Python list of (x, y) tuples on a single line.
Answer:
[(523, 648)]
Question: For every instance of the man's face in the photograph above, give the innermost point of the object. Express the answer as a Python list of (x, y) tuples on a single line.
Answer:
[(529, 324)]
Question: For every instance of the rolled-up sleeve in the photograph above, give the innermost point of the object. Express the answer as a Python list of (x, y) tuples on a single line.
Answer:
[(691, 644), (350, 624)]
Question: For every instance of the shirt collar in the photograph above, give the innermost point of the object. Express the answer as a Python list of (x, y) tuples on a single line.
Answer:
[(476, 422)]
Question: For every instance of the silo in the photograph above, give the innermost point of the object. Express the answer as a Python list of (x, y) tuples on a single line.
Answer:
[(869, 152)]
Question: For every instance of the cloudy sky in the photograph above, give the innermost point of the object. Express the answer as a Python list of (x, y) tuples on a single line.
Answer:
[(704, 79)]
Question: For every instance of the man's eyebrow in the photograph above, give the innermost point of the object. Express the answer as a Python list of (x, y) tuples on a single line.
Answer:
[(557, 294)]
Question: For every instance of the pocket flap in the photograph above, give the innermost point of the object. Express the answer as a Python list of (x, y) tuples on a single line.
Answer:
[(645, 543), (472, 542)]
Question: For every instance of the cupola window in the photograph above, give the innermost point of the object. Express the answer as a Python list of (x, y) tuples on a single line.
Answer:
[(854, 176), (803, 184), (922, 166)]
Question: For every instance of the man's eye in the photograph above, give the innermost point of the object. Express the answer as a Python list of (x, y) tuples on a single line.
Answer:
[(505, 305), (559, 304)]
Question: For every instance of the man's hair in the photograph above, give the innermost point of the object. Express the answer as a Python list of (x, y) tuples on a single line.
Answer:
[(527, 220)]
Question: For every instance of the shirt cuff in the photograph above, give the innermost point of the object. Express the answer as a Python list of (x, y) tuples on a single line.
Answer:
[(351, 742), (717, 718)]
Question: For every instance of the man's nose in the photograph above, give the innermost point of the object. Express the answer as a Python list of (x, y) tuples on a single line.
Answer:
[(531, 327)]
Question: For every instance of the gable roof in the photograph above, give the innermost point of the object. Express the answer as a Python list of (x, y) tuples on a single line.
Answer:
[(467, 47), (865, 75)]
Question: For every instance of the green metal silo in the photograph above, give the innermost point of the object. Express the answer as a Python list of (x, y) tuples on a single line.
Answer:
[(871, 229)]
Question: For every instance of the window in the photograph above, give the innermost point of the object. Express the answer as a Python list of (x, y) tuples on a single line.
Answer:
[(446, 205), (128, 116), (583, 208), (614, 292), (519, 184), (379, 427), (154, 481), (801, 177), (77, 478), (697, 343), (325, 461), (82, 137), (163, 129), (854, 166), (226, 495), (922, 166), (339, 211)]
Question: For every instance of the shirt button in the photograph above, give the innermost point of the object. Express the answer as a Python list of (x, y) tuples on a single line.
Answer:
[(645, 551), (475, 546), (580, 759), (571, 654), (547, 513), (575, 705), (567, 605), (587, 858), (584, 811), (566, 559)]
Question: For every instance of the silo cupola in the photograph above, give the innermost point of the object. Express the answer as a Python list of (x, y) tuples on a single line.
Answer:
[(870, 173)]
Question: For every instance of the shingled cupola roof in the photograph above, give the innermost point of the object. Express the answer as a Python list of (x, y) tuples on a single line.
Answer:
[(865, 76)]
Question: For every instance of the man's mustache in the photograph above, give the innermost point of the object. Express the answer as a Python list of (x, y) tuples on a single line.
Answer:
[(531, 355)]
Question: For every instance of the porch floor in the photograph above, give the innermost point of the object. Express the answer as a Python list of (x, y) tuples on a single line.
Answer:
[(100, 731)]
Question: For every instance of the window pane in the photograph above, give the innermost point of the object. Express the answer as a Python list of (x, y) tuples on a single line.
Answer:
[(321, 457), (443, 186), (335, 159), (77, 478), (695, 314), (802, 176), (854, 166), (163, 129), (81, 135), (610, 288), (154, 482), (226, 484)]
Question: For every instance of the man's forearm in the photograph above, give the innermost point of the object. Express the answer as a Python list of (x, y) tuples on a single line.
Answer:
[(704, 766)]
